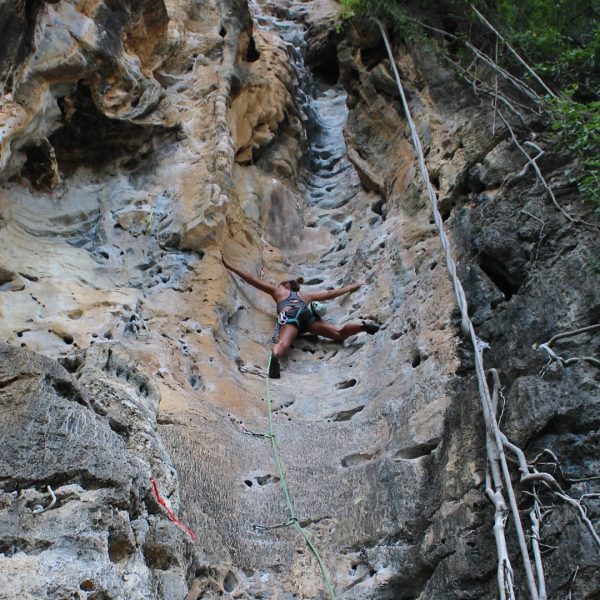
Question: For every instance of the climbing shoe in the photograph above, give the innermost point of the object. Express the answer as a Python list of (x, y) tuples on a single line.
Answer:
[(370, 328), (274, 367)]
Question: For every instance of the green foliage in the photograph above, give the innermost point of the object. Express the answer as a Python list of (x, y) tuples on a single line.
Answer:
[(560, 38), (393, 13), (579, 126)]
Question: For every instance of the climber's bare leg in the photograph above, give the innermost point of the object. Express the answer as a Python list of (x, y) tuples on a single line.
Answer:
[(335, 333), (287, 335)]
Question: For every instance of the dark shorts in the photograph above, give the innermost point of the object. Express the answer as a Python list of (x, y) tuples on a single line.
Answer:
[(302, 318)]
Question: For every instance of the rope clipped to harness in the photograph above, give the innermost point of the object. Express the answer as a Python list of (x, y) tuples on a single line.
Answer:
[(317, 310)]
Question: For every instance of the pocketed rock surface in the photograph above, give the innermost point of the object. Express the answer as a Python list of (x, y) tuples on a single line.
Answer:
[(142, 140)]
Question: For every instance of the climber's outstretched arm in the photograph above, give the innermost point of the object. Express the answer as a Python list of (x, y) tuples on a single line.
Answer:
[(263, 286), (330, 294)]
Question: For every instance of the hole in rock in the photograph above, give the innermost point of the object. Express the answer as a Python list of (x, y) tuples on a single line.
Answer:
[(252, 53), (418, 450), (324, 64), (433, 265), (129, 165), (67, 339), (235, 86), (230, 582), (346, 415), (65, 389), (568, 423), (344, 385), (222, 32), (159, 555), (40, 167), (6, 276), (118, 550), (88, 137), (416, 361), (194, 381), (371, 57), (29, 276), (87, 585), (70, 363), (248, 482), (377, 207), (356, 459), (495, 269), (266, 479)]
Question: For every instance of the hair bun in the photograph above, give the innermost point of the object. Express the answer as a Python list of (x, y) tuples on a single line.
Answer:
[(300, 279)]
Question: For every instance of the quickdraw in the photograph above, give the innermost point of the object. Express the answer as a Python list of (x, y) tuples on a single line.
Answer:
[(282, 319)]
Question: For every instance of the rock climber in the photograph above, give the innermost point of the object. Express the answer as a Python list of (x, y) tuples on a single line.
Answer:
[(299, 313)]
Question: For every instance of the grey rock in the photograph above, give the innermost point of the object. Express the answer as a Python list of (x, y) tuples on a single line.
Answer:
[(97, 457)]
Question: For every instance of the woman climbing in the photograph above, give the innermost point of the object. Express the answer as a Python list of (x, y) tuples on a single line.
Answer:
[(296, 314)]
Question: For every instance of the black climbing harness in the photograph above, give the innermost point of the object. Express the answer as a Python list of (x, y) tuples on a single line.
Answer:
[(294, 311)]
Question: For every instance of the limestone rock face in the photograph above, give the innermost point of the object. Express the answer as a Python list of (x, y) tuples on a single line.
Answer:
[(143, 140), (78, 455)]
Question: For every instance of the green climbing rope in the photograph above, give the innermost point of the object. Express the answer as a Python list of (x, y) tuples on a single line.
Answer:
[(293, 518)]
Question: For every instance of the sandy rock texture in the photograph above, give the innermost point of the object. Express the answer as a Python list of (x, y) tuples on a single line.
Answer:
[(140, 140)]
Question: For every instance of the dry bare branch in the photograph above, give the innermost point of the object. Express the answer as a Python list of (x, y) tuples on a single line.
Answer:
[(515, 54), (548, 480), (560, 336), (537, 171), (590, 359), (504, 570), (541, 235), (517, 83), (557, 465), (491, 63), (582, 515), (536, 520), (479, 86), (553, 357), (594, 496)]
